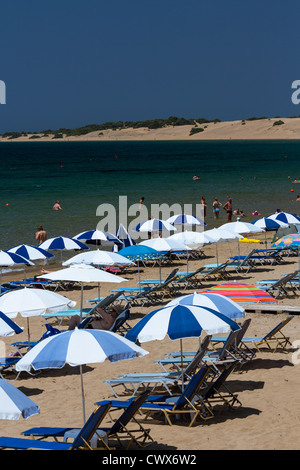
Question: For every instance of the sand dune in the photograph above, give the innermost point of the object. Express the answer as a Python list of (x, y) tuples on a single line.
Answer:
[(234, 130)]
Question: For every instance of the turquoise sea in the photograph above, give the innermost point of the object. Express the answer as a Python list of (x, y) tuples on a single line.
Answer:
[(257, 175)]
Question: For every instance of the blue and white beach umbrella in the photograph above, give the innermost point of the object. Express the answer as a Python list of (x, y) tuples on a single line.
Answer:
[(180, 321), (222, 304), (98, 236), (78, 347), (8, 327), (285, 217), (30, 252), (10, 259), (269, 224), (124, 237), (63, 243), (185, 219), (153, 225), (14, 403)]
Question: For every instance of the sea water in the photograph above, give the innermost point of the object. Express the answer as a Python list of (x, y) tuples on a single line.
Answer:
[(257, 175)]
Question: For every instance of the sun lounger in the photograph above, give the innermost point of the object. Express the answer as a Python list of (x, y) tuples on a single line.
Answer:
[(243, 354), (273, 340), (175, 405), (132, 383), (8, 364), (215, 358), (67, 314), (121, 428), (218, 392), (280, 287), (81, 441)]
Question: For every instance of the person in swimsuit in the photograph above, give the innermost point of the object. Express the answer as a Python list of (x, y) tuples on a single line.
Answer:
[(102, 322), (216, 208), (41, 234), (228, 208)]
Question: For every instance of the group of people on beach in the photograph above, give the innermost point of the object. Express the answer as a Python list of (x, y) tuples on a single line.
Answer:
[(227, 207)]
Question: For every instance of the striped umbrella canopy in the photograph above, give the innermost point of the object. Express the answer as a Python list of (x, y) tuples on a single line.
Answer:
[(180, 321), (14, 403), (76, 348), (63, 243), (30, 252), (240, 292), (98, 236), (153, 225), (285, 217), (269, 224), (222, 304), (185, 219), (8, 327)]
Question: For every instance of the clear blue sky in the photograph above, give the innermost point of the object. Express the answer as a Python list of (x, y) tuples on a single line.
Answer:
[(68, 63)]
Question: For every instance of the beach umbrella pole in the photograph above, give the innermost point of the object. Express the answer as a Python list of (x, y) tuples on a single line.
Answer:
[(82, 394), (81, 301), (28, 331)]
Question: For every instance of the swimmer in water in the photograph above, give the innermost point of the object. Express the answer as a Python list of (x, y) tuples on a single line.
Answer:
[(57, 206), (141, 202)]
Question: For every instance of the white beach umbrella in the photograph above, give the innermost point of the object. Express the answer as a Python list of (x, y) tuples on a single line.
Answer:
[(99, 258), (30, 302), (14, 403), (220, 235), (82, 273), (192, 239), (165, 244), (239, 227)]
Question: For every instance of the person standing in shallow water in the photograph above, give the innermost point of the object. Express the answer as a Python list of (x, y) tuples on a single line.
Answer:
[(204, 205), (216, 208), (41, 234), (228, 208)]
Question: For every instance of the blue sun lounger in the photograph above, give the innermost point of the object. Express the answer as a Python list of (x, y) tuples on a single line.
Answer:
[(81, 441), (174, 405), (120, 429)]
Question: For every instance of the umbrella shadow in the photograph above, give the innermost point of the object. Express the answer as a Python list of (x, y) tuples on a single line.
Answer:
[(65, 370), (242, 412), (260, 363), (30, 391), (242, 385)]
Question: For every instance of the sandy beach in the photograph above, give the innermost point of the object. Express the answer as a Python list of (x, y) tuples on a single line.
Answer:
[(268, 386), (264, 129)]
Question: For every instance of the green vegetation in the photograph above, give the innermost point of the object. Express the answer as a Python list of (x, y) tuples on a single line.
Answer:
[(278, 123), (118, 125), (196, 130)]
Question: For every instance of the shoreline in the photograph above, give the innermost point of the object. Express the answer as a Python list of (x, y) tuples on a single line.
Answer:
[(258, 129)]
